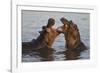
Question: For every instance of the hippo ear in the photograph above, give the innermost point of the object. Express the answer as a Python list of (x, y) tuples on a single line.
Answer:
[(76, 27), (43, 27)]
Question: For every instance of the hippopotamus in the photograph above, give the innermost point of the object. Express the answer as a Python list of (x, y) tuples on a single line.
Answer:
[(45, 39), (72, 35)]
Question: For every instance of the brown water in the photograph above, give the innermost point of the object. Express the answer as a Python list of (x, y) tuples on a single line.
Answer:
[(32, 22)]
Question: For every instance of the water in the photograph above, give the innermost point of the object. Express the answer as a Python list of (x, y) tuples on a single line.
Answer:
[(32, 22)]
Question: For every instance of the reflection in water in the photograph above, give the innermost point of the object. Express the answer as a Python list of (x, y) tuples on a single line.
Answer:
[(46, 54), (43, 54), (32, 21), (72, 54)]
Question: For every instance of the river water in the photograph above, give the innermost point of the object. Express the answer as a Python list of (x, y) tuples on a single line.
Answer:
[(32, 22)]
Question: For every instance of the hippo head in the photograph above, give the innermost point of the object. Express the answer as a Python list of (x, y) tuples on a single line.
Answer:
[(68, 25), (71, 33), (65, 26)]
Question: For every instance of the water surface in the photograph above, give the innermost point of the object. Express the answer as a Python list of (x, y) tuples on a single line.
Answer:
[(32, 22)]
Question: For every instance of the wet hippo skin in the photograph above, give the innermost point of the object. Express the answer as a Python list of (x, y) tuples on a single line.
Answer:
[(72, 36)]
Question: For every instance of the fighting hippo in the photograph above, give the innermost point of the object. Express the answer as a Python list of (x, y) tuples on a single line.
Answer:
[(45, 39), (72, 35)]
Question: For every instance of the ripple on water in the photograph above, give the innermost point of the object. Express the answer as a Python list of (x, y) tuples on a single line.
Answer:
[(33, 22)]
